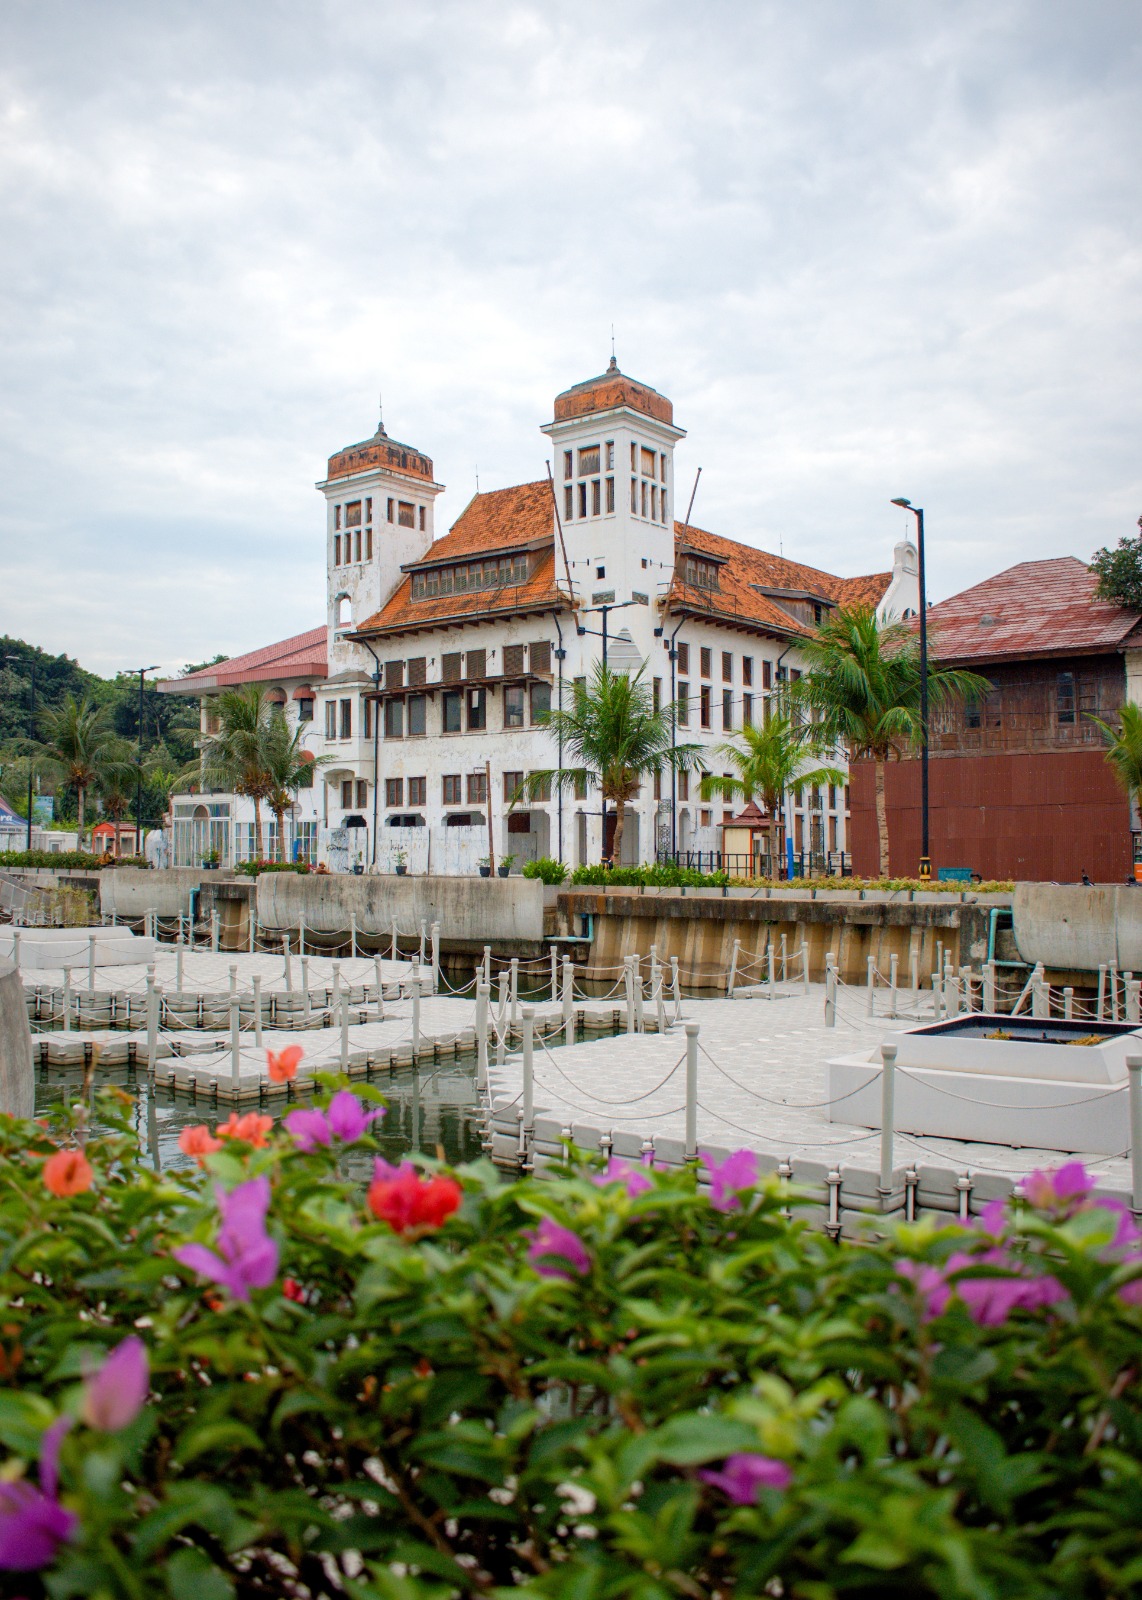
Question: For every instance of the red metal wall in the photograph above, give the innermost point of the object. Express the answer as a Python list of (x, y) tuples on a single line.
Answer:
[(1041, 817)]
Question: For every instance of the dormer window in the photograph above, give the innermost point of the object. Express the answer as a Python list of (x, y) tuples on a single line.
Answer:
[(496, 572), (699, 574)]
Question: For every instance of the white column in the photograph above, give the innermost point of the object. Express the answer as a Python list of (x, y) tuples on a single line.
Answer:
[(887, 1114), (691, 1091)]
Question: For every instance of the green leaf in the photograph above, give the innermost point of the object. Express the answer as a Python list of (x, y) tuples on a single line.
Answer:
[(191, 1575), (963, 1366), (229, 1436), (23, 1418), (690, 1440)]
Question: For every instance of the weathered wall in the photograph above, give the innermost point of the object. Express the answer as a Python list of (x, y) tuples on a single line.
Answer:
[(471, 911), (1069, 926), (17, 1084), (1040, 816), (133, 891)]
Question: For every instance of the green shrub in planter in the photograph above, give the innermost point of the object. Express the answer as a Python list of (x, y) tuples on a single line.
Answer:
[(546, 870), (262, 1379), (666, 876)]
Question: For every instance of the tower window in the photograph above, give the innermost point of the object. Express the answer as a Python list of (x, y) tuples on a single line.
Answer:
[(728, 710), (683, 705), (727, 666), (747, 670), (389, 510), (663, 466), (394, 719), (649, 463), (588, 461), (368, 544), (421, 518), (1065, 697), (353, 514), (596, 498), (568, 503), (634, 494), (663, 502), (707, 661), (683, 658), (406, 514), (336, 549), (747, 710), (368, 510), (610, 494), (600, 573), (767, 675), (654, 502), (644, 497), (567, 464), (582, 499), (610, 455), (357, 545), (634, 457), (336, 516), (704, 704), (346, 731)]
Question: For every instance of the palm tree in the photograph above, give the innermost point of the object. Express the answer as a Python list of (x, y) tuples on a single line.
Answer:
[(82, 748), (114, 785), (863, 688), (1124, 748), (616, 738), (770, 760), (290, 767), (236, 758)]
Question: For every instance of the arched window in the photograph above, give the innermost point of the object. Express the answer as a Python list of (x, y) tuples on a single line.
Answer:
[(344, 611)]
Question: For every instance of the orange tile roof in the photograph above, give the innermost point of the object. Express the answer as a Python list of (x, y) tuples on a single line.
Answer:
[(305, 655), (1038, 608), (380, 451), (612, 388)]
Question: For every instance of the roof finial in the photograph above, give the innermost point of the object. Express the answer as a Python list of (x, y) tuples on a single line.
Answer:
[(381, 414), (614, 366)]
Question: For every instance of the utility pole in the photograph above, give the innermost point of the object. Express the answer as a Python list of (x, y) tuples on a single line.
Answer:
[(925, 858), (31, 736), (142, 671)]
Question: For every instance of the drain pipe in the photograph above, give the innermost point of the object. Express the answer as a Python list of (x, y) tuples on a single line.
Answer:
[(560, 656)]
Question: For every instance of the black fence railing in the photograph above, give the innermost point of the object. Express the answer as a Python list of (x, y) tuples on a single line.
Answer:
[(806, 863)]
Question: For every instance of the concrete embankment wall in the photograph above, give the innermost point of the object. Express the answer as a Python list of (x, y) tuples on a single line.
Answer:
[(17, 1083), (700, 927), (472, 912), (1075, 928)]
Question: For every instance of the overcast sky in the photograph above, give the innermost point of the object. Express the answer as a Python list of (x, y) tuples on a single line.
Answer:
[(868, 248)]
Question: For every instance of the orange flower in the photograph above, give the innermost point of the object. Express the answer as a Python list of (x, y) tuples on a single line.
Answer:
[(282, 1064), (68, 1172), (251, 1128), (198, 1142)]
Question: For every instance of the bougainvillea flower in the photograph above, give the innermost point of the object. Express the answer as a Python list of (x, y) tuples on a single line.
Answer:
[(293, 1290), (282, 1064), (114, 1396), (634, 1180), (348, 1118), (308, 1128), (33, 1524), (742, 1475), (68, 1172), (930, 1285), (729, 1177), (198, 1142), (1058, 1188), (406, 1200), (551, 1245), (252, 1128), (247, 1258), (989, 1301)]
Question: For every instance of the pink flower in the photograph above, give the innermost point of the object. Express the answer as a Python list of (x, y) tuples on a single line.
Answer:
[(930, 1285), (989, 1301), (410, 1202), (744, 1474), (729, 1177), (1055, 1188), (345, 1118), (114, 1396), (247, 1257), (309, 1128), (633, 1179), (551, 1244), (33, 1524)]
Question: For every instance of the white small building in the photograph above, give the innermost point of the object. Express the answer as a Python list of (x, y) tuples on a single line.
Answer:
[(428, 687)]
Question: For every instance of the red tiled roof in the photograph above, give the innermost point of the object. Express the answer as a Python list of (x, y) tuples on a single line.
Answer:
[(747, 570), (612, 388), (1038, 608), (302, 656), (380, 451)]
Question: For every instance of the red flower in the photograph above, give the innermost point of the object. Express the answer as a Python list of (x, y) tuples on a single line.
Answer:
[(68, 1172), (198, 1142), (405, 1200), (282, 1064), (251, 1128), (293, 1290)]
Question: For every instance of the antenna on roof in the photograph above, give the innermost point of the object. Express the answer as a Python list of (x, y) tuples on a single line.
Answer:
[(477, 477), (693, 492), (612, 341), (380, 412)]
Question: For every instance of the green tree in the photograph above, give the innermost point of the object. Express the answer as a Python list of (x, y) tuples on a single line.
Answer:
[(1120, 572), (237, 757), (81, 749), (116, 785), (1124, 748), (863, 689), (769, 761), (614, 739), (290, 767)]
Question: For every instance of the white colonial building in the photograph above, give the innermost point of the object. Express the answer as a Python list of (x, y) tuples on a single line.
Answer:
[(428, 688)]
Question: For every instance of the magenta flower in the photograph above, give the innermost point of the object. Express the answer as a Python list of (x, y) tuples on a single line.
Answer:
[(744, 1474), (929, 1283), (345, 1118), (33, 1524), (114, 1396), (633, 1179), (247, 1257), (551, 1244), (989, 1301), (1057, 1188), (729, 1177)]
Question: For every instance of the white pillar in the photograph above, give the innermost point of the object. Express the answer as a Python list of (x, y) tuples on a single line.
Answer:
[(395, 945), (830, 991), (770, 973), (676, 988), (528, 1069), (691, 1148), (153, 998), (887, 1114), (628, 983), (16, 948), (515, 990), (288, 967), (435, 936), (1068, 1003), (733, 969), (502, 1019), (416, 1015), (233, 977), (305, 1011), (784, 958), (870, 1000), (989, 987), (1132, 986), (1134, 1068), (353, 935), (1100, 1007), (178, 970), (67, 998), (380, 993), (1113, 975), (488, 965), (235, 1042), (91, 963), (893, 967), (568, 1002), (636, 969), (301, 934), (482, 994), (804, 966), (423, 941), (554, 953), (252, 926), (215, 930), (344, 1009), (258, 1009)]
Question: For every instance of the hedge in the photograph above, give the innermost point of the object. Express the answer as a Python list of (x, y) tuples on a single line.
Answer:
[(258, 1379), (61, 859)]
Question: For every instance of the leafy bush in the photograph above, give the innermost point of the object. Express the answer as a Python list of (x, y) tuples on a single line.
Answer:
[(61, 859), (571, 1386), (545, 869), (252, 869), (939, 886), (665, 876)]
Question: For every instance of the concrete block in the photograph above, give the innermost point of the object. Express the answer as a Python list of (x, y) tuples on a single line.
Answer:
[(669, 1152), (627, 1145), (474, 911), (17, 1080)]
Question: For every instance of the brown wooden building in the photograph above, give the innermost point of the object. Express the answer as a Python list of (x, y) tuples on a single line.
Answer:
[(1019, 786)]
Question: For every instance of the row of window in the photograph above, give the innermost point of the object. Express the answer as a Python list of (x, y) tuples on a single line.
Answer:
[(706, 666), (988, 713), (468, 577), (461, 711), (401, 512)]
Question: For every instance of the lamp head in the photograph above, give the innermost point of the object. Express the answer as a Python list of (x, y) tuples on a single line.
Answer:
[(906, 503)]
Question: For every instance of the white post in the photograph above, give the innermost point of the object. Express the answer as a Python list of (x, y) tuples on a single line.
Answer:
[(305, 1011), (804, 967), (258, 1009), (770, 971), (233, 977), (659, 1004), (395, 946), (691, 1149), (91, 963), (784, 968), (488, 965), (636, 968), (502, 1019), (936, 996), (1038, 1001), (215, 930), (989, 987), (568, 1002), (653, 966), (830, 991), (152, 1025), (344, 1003), (938, 965), (178, 970), (628, 983), (870, 999), (16, 948), (235, 1043), (353, 935), (423, 941), (435, 936), (336, 984), (893, 965), (1132, 986), (515, 990), (1134, 1068), (1100, 1008), (416, 1015), (1113, 974), (554, 974), (914, 974), (887, 1113), (733, 969), (252, 924), (288, 967), (1068, 1003), (301, 933), (67, 997), (482, 993), (380, 993), (676, 988), (528, 1069)]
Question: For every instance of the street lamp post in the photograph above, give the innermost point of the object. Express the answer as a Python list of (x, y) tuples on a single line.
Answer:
[(925, 858), (31, 736), (142, 671)]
